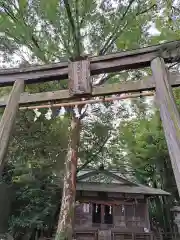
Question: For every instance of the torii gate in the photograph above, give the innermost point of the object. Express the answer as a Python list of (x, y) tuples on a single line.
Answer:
[(79, 72)]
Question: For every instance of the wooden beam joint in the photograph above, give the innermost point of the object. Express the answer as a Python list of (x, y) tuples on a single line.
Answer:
[(115, 62), (79, 78)]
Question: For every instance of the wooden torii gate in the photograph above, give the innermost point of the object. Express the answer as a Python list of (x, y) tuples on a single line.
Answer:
[(79, 72)]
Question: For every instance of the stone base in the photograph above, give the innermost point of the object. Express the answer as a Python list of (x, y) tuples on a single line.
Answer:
[(176, 210)]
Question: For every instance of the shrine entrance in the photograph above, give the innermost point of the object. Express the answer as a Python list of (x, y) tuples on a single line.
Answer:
[(81, 92), (102, 214)]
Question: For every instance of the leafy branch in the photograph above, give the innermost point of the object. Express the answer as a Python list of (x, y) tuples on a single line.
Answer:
[(73, 27), (12, 16), (114, 34), (93, 156), (176, 9)]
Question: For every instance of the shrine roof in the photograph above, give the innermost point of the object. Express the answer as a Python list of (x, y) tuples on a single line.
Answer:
[(103, 180), (119, 188)]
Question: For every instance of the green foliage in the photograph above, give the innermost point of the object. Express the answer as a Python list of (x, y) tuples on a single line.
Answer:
[(37, 153), (148, 159)]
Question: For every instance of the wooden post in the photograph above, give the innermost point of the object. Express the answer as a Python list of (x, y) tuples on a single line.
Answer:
[(79, 78), (8, 119), (147, 217), (6, 197), (169, 114)]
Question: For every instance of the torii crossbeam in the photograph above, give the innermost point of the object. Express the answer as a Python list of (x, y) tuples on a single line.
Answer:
[(79, 72)]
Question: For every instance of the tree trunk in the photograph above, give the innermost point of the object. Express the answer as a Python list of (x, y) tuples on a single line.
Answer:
[(66, 217)]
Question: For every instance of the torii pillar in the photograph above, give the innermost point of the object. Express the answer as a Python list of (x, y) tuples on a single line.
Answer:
[(169, 114)]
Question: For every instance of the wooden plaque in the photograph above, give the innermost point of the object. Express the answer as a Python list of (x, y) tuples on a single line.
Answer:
[(79, 77)]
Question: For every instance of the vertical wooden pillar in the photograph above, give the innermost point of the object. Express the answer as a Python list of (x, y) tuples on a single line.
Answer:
[(147, 217), (169, 114), (8, 119), (6, 197)]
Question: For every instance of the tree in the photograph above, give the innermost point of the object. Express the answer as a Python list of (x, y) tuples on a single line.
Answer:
[(34, 162), (147, 159)]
